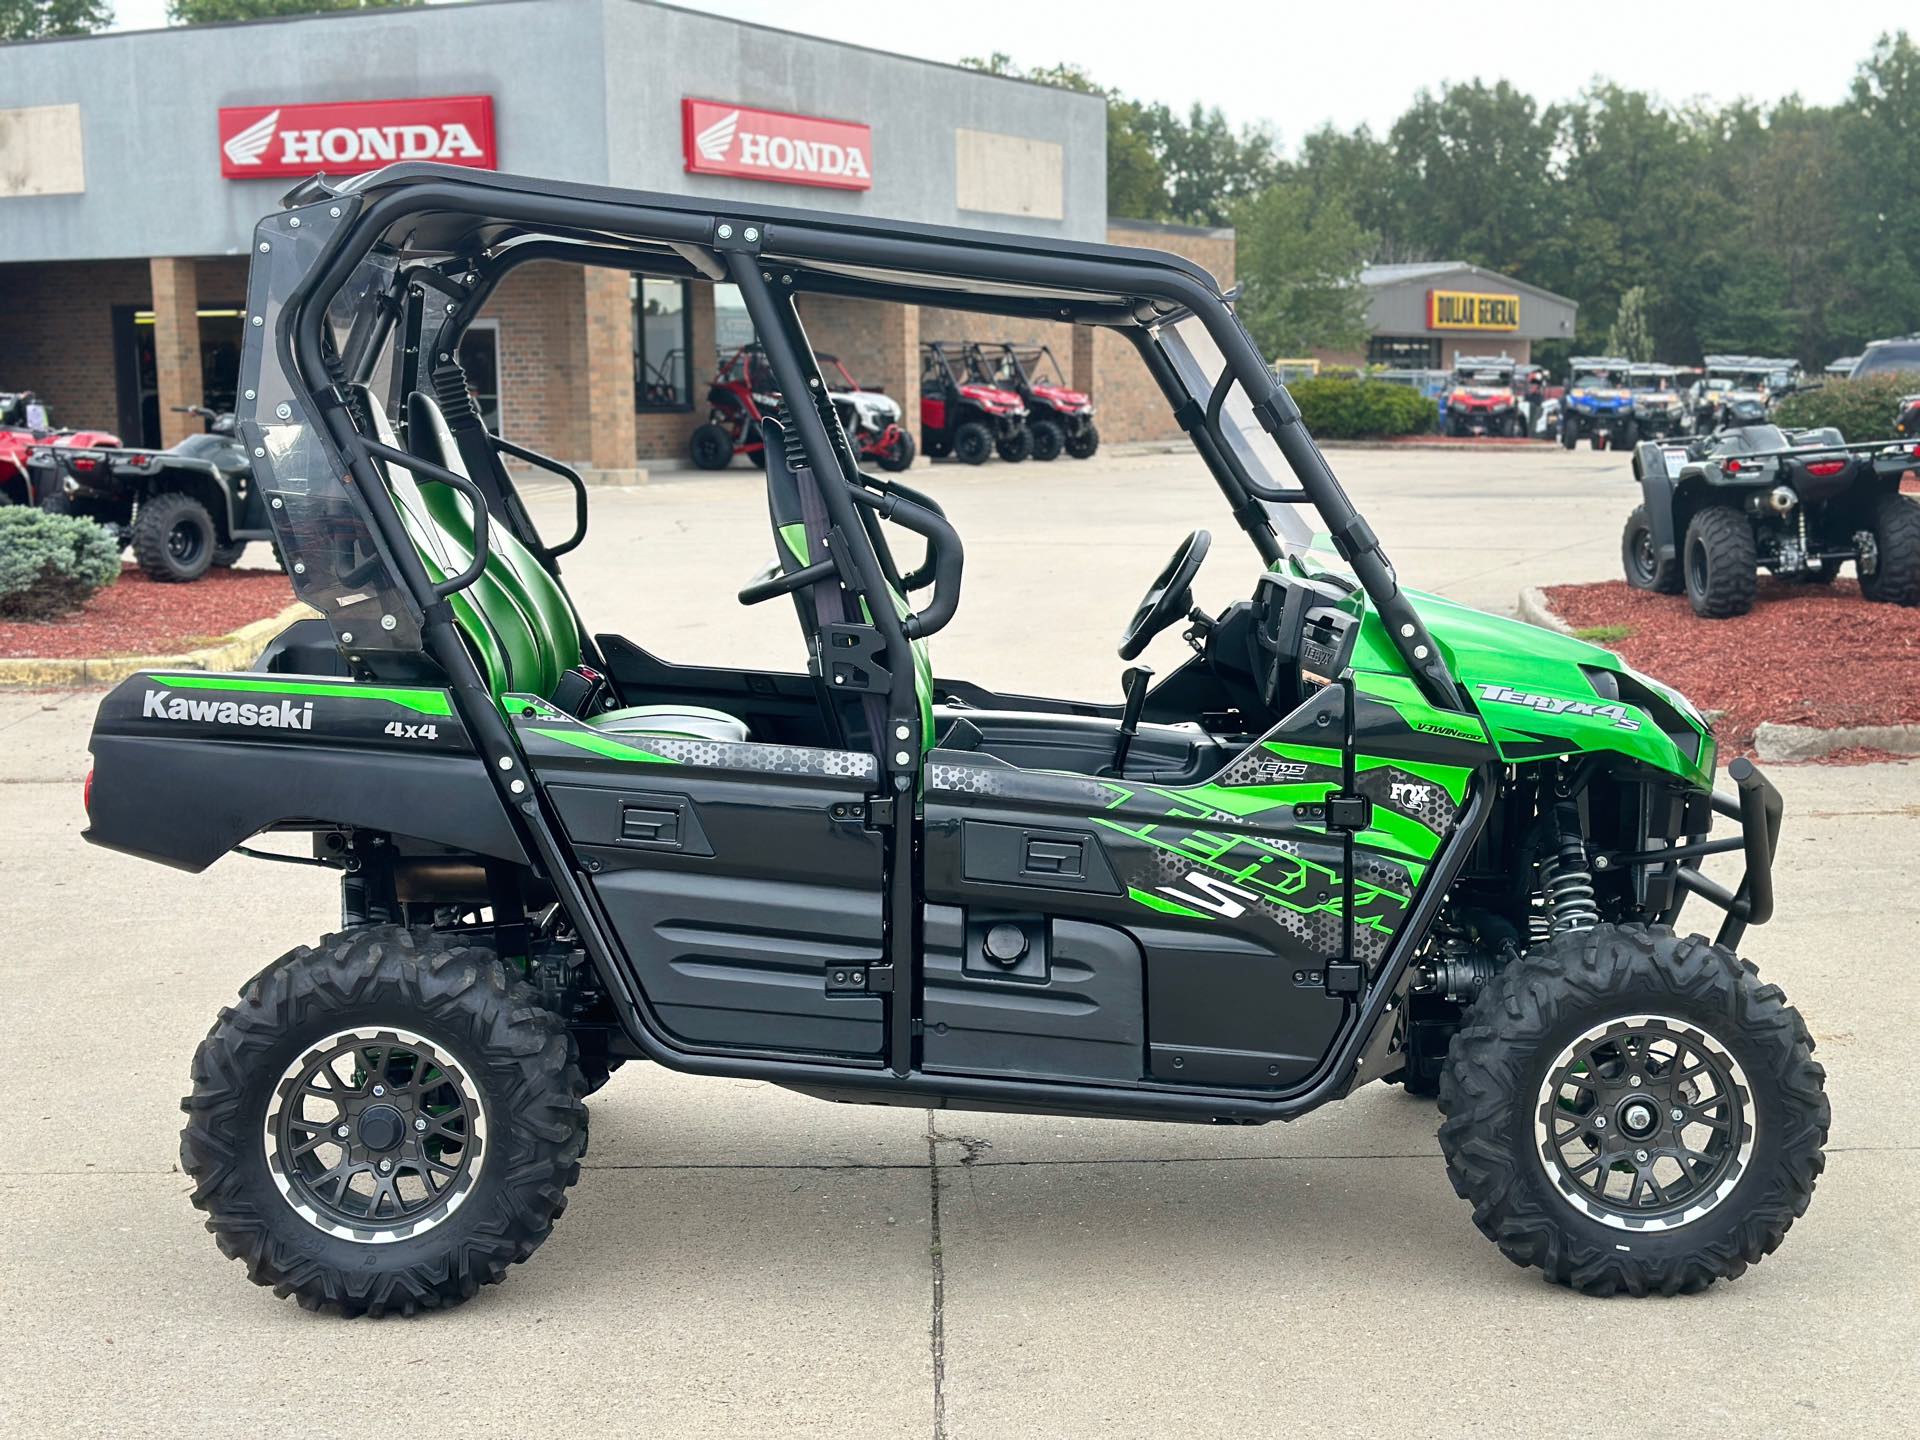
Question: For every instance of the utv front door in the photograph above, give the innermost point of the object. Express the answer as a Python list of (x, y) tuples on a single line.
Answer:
[(1125, 930), (741, 879)]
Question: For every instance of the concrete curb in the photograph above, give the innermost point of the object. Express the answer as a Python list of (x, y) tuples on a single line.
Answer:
[(232, 652), (1806, 742), (1535, 610)]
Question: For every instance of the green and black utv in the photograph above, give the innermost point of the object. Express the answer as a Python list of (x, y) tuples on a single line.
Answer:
[(1361, 834)]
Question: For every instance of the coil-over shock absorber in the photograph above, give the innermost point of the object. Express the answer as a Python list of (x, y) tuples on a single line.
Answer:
[(1565, 881)]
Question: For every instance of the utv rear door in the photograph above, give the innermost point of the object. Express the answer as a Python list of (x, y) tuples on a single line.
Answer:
[(741, 879)]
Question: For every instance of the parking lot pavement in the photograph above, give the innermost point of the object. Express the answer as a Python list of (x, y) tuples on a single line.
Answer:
[(740, 1260)]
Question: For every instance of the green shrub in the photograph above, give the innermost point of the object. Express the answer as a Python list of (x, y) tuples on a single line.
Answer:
[(50, 564), (1862, 409), (1337, 409)]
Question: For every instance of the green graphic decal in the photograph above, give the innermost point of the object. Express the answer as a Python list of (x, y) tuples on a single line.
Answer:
[(421, 702)]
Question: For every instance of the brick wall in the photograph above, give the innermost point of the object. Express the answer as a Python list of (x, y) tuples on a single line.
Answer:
[(1128, 398), (56, 334), (879, 344)]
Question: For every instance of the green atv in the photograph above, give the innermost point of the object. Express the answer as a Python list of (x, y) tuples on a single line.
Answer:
[(1359, 834)]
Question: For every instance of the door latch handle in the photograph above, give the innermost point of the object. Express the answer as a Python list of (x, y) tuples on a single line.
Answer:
[(1054, 857)]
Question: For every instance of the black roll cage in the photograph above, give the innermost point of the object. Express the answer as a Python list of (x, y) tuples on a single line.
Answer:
[(774, 255)]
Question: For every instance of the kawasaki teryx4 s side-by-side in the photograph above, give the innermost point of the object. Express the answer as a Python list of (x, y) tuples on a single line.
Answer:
[(1359, 834), (1800, 503)]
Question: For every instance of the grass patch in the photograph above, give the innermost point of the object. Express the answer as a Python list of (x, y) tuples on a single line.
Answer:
[(1602, 634)]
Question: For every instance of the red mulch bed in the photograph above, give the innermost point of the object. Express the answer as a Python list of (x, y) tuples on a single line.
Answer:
[(134, 616), (1804, 655)]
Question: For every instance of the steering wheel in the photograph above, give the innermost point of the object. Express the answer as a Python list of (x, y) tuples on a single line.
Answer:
[(1170, 596)]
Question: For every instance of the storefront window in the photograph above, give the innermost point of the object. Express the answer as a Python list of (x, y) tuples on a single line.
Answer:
[(662, 342), (1400, 353), (732, 326), (138, 381)]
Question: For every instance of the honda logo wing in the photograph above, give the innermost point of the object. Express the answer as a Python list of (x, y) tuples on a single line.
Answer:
[(714, 141), (250, 144)]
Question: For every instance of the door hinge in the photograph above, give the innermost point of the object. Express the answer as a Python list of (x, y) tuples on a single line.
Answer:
[(858, 979)]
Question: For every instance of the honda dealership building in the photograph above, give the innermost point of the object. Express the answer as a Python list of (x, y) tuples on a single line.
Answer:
[(133, 167)]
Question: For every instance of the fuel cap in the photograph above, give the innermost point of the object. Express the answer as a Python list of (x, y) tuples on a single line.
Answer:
[(1005, 944)]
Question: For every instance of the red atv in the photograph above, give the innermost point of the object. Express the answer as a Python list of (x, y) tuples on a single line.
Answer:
[(963, 413), (742, 395), (24, 426), (1059, 417), (1482, 400)]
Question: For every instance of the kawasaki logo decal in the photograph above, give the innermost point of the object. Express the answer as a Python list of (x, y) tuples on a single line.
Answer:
[(1554, 705), (281, 715)]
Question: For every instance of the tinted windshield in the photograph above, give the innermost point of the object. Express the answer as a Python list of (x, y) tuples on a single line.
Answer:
[(1199, 363), (1884, 359)]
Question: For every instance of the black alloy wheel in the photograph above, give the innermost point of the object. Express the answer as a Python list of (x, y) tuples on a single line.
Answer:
[(375, 1134)]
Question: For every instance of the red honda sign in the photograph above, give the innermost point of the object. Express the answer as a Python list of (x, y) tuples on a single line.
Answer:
[(263, 141), (722, 139)]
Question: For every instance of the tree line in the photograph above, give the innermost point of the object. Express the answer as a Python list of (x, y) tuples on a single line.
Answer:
[(1781, 228)]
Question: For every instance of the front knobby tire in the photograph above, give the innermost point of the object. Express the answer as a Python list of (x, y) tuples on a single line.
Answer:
[(478, 1120), (1551, 1045)]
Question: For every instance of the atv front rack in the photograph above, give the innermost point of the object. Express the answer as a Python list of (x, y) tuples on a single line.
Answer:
[(1757, 806)]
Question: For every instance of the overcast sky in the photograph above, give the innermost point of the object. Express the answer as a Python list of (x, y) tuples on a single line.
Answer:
[(1293, 65)]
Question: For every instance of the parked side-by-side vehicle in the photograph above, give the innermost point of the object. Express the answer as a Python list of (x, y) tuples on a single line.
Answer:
[(1349, 832)]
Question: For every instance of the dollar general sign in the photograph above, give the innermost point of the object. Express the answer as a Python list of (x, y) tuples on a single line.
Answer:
[(1471, 310)]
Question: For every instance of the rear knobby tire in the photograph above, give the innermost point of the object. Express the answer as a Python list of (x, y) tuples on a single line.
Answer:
[(1641, 559), (225, 557), (515, 1056), (1521, 1027), (1896, 537), (1015, 445), (173, 537), (1721, 563)]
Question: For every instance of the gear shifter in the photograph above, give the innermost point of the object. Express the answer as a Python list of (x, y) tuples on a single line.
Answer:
[(1133, 685)]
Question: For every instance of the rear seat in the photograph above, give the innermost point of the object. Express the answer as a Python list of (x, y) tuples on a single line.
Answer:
[(515, 615)]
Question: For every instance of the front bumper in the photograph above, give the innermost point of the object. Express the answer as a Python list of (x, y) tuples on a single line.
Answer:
[(1758, 808)]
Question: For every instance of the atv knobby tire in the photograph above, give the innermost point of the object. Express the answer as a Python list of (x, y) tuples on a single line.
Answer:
[(1083, 442), (711, 447), (1048, 439), (1896, 536), (1491, 1102), (225, 557), (517, 1058), (173, 537), (899, 455), (1721, 563), (1641, 559), (972, 443), (1015, 445)]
